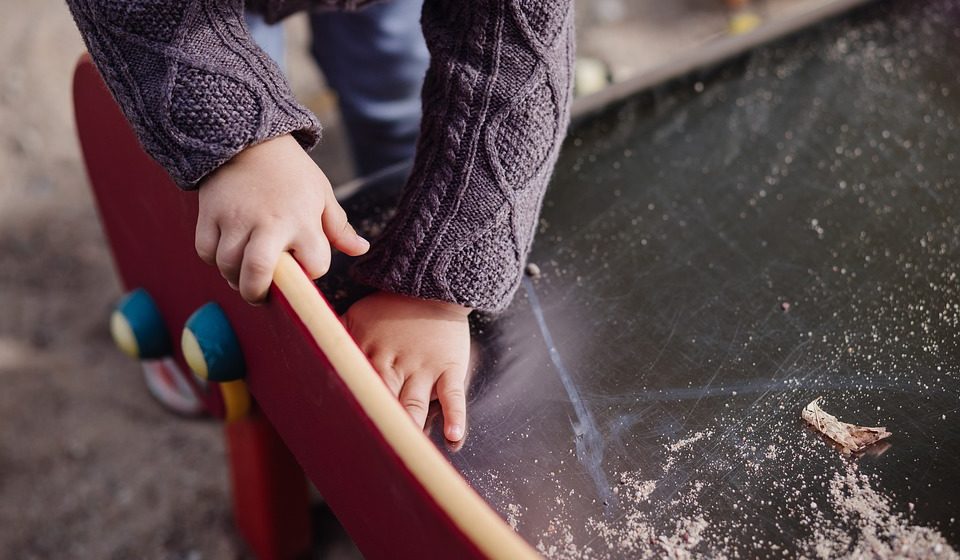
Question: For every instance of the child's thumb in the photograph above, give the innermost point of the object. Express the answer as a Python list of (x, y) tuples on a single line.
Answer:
[(340, 233)]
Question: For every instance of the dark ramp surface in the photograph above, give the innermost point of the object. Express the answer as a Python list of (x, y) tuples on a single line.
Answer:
[(714, 255)]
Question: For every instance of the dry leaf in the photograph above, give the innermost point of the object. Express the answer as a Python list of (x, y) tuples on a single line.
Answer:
[(850, 437)]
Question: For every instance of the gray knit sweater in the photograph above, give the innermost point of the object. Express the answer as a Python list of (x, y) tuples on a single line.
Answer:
[(496, 100)]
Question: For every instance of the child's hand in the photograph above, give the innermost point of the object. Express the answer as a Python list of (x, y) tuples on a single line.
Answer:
[(268, 199), (415, 344)]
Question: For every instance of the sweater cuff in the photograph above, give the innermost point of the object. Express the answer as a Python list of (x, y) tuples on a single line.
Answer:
[(482, 271), (248, 123), (191, 81)]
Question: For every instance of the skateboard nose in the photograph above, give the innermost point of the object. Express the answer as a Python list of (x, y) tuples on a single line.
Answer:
[(138, 328), (212, 351)]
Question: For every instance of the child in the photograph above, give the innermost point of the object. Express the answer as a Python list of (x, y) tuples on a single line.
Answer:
[(215, 111)]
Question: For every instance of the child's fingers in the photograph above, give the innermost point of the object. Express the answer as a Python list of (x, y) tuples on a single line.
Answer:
[(453, 400), (259, 261), (339, 231), (415, 397), (206, 240), (393, 379), (313, 254), (230, 255)]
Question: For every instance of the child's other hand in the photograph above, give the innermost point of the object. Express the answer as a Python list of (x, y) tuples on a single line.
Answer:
[(416, 344), (268, 199)]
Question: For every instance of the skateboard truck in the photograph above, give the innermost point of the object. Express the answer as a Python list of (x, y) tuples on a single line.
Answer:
[(139, 331)]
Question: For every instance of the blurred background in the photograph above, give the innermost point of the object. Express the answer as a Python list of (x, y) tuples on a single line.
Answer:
[(90, 465)]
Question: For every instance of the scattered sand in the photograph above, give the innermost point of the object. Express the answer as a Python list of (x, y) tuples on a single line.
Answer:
[(634, 535), (867, 526), (853, 518), (514, 511), (688, 441)]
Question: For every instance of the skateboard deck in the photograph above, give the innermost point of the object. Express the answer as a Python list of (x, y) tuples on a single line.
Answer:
[(394, 493)]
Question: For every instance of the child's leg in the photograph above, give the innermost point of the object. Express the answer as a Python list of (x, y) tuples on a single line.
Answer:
[(375, 60)]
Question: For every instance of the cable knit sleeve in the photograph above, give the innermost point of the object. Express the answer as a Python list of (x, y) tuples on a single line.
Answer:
[(190, 80), (496, 105)]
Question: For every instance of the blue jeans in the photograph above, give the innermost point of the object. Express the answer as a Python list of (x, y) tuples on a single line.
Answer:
[(375, 59)]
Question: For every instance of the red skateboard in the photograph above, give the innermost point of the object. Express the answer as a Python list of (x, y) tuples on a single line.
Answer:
[(286, 368)]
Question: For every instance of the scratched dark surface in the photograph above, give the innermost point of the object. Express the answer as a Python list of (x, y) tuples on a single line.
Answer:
[(714, 255)]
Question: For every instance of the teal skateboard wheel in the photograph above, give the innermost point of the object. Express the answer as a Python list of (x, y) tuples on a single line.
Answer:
[(138, 328)]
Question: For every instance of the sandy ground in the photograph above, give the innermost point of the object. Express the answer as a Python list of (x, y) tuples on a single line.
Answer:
[(90, 466)]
